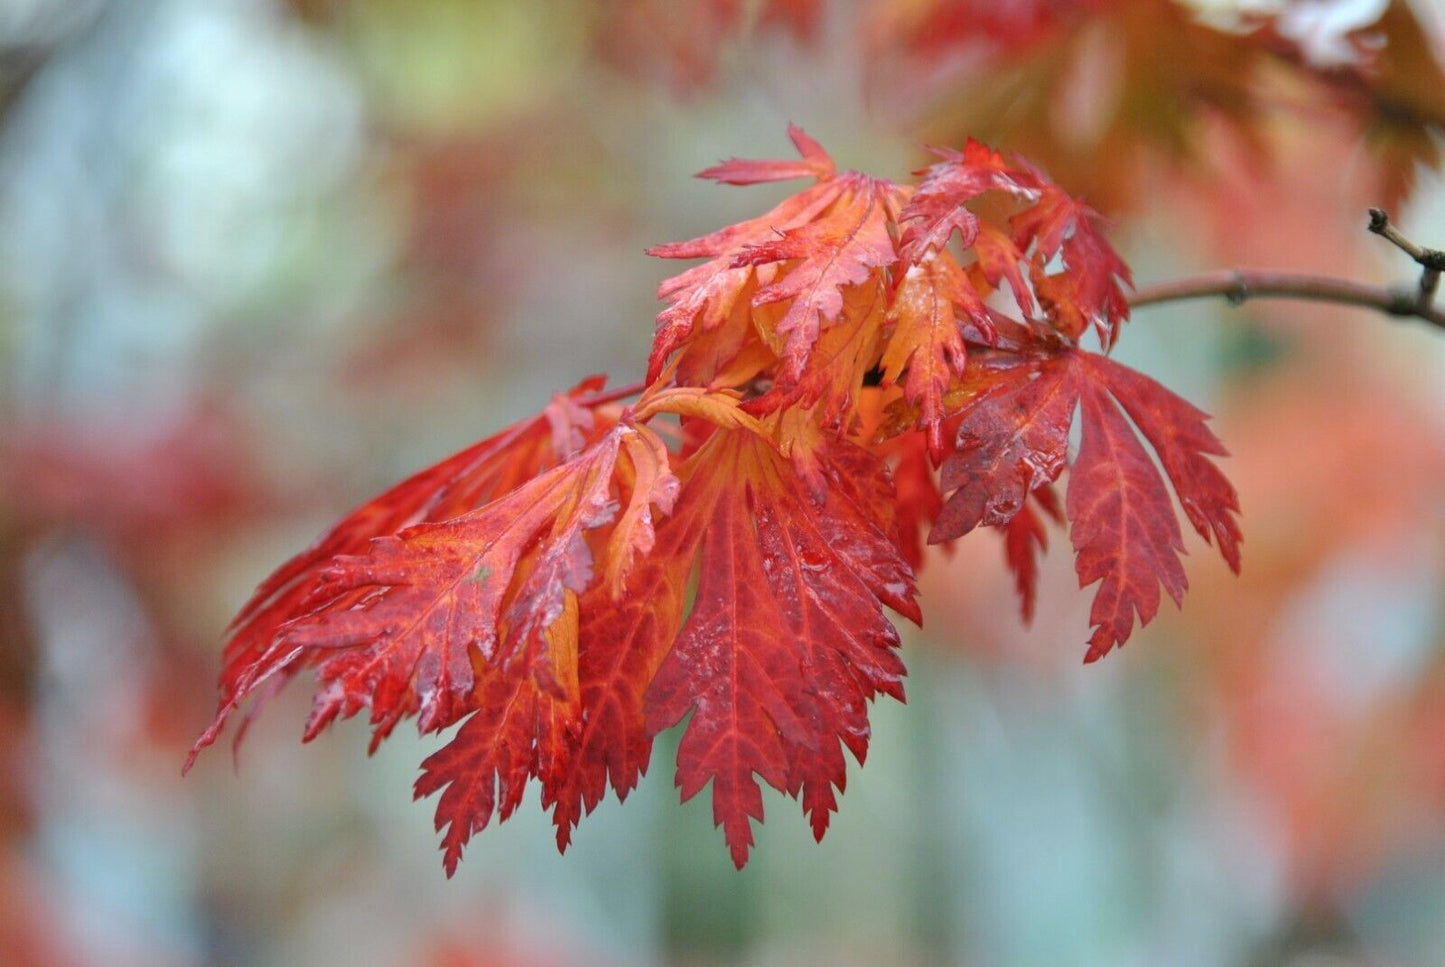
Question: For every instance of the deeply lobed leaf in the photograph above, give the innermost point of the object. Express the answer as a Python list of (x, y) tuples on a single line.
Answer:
[(771, 557), (398, 626), (789, 627), (1087, 292), (1012, 441), (939, 207), (254, 656), (926, 350)]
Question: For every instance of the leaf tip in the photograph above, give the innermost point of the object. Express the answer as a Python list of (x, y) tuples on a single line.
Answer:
[(739, 853), (1102, 642)]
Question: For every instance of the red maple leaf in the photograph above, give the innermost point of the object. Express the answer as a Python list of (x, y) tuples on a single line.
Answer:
[(1013, 439), (577, 738), (1048, 222), (789, 628), (517, 732), (926, 349), (1025, 540), (938, 207), (771, 556), (458, 484), (810, 246), (398, 625), (1087, 291)]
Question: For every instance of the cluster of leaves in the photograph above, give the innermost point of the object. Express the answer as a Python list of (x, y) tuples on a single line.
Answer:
[(1094, 88), (865, 366), (1120, 99)]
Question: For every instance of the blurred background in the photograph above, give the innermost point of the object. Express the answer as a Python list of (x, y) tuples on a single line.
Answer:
[(259, 260)]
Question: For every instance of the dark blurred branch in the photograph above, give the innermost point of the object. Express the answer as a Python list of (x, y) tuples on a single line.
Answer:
[(40, 36), (18, 67)]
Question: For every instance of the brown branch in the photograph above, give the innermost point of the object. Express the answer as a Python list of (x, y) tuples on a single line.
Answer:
[(1240, 285), (1431, 261)]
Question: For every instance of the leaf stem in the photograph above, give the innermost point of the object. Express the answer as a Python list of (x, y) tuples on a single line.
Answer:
[(614, 394), (1240, 285)]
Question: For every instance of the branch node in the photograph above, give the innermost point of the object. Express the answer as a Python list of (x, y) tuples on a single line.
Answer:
[(1239, 285), (1402, 304), (1239, 291)]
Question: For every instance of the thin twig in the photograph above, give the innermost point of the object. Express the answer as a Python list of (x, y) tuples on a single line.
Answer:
[(1381, 225), (1431, 261), (1240, 285)]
